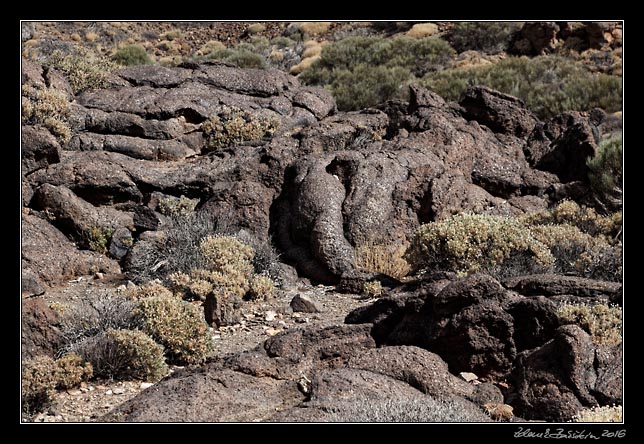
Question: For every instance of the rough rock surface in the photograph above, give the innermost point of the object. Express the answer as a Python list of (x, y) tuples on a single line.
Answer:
[(40, 334), (554, 381), (323, 182)]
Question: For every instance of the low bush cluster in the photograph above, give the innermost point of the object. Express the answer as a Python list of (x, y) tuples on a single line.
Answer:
[(46, 107), (98, 239), (234, 126), (602, 322), (566, 239), (372, 289), (385, 259), (365, 71), (179, 326), (41, 375), (84, 69), (177, 206), (547, 84), (489, 37)]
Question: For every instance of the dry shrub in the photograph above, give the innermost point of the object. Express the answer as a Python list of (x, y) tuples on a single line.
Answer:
[(84, 70), (124, 355), (584, 218), (151, 289), (372, 289), (72, 370), (600, 414), (606, 172), (179, 326), (385, 259), (233, 126), (421, 30), (602, 322), (39, 378), (177, 206), (467, 243), (313, 28), (261, 288), (46, 107)]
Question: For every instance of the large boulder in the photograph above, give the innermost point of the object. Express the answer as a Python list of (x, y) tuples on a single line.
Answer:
[(39, 149), (40, 329), (555, 381)]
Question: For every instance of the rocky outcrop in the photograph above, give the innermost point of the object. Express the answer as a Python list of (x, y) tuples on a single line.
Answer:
[(552, 286), (319, 182), (40, 332), (310, 374)]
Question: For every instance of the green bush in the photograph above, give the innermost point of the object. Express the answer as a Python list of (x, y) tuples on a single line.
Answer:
[(232, 126), (179, 326), (84, 70), (547, 84), (98, 239), (364, 71), (489, 37), (606, 172), (243, 58), (467, 243), (132, 55), (124, 355), (46, 107)]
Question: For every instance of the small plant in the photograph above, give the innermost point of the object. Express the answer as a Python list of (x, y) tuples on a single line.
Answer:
[(233, 126), (256, 28), (39, 378), (466, 243), (124, 355), (179, 326), (261, 288), (150, 289), (372, 289), (177, 207), (98, 239), (606, 172), (602, 322), (94, 314), (46, 107), (84, 70), (132, 55), (385, 259), (600, 414), (72, 370)]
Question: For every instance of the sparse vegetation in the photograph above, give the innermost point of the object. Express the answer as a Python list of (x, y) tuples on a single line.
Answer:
[(261, 288), (98, 239), (179, 326), (132, 55), (365, 71), (606, 172), (46, 107), (547, 84), (489, 37), (602, 322), (600, 414), (124, 355), (385, 259), (372, 289), (177, 206), (243, 58), (84, 70), (466, 243), (234, 126)]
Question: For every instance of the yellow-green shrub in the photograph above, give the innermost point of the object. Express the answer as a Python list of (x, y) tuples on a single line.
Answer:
[(261, 287), (84, 70), (602, 322), (372, 289), (385, 259), (151, 289), (605, 172), (232, 126), (179, 326), (177, 207), (46, 107), (466, 243), (132, 55)]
